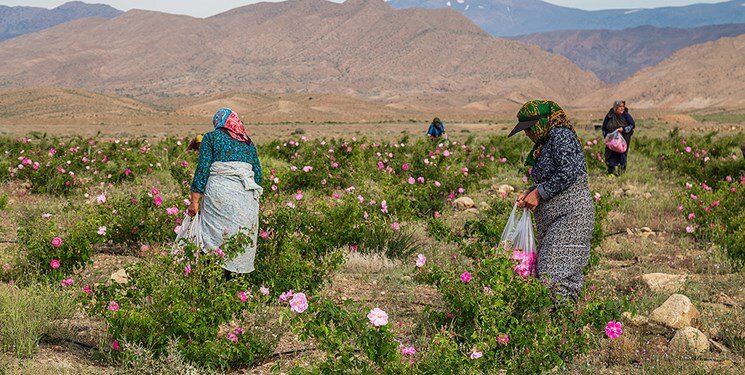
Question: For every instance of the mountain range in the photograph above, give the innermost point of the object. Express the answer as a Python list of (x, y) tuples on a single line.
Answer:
[(19, 20), (614, 55), (520, 17), (360, 47)]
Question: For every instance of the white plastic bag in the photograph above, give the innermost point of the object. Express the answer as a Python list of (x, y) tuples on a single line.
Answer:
[(190, 231), (615, 142), (519, 240)]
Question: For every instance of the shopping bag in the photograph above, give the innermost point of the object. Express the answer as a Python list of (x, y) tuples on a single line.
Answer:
[(190, 230), (615, 142), (518, 240)]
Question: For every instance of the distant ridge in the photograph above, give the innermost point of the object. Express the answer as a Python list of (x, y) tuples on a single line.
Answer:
[(20, 20)]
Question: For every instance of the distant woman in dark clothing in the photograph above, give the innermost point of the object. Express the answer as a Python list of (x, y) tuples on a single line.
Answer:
[(618, 118), (436, 129), (564, 211)]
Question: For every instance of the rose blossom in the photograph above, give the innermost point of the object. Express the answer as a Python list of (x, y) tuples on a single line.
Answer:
[(298, 303), (284, 297), (56, 242), (243, 296), (378, 317), (408, 351), (115, 345), (465, 277), (613, 329), (113, 306), (421, 260), (54, 264)]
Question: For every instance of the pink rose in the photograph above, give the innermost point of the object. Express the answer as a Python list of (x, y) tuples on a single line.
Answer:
[(466, 277), (284, 297), (298, 303), (421, 260), (243, 296), (54, 264), (412, 181), (405, 167), (378, 317), (158, 201), (613, 329), (56, 242), (503, 339)]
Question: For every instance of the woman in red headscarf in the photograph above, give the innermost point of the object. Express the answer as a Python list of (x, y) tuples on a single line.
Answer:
[(226, 188)]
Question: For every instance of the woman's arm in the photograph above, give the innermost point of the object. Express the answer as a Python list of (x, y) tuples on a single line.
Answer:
[(203, 166), (568, 160), (631, 123), (253, 159)]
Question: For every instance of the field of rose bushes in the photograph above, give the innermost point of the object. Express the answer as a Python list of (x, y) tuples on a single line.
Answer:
[(73, 200)]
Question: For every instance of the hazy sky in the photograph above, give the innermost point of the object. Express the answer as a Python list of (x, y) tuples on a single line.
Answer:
[(203, 8)]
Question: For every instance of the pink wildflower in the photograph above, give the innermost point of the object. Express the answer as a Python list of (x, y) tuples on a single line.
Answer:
[(395, 226), (220, 253), (446, 153), (187, 270), (476, 354), (438, 184), (377, 317), (54, 264), (690, 229), (613, 329), (298, 303), (465, 277), (405, 167), (184, 163), (67, 282), (173, 210), (688, 149), (56, 242), (113, 306), (243, 296), (420, 179), (264, 234), (284, 297), (412, 181), (408, 351), (264, 290), (597, 197), (421, 260), (158, 201), (232, 337), (353, 248), (154, 191), (87, 289), (728, 178), (715, 203), (115, 345), (503, 339), (488, 291), (691, 216), (299, 195)]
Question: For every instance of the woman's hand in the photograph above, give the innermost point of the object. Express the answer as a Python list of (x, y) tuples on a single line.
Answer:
[(529, 199), (620, 130), (194, 204)]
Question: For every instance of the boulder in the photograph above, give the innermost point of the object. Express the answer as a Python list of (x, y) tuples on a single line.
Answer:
[(690, 341), (463, 203), (505, 188), (677, 312), (120, 277), (634, 320), (664, 283)]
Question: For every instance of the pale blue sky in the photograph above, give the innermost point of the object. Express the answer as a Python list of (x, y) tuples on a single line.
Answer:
[(203, 8)]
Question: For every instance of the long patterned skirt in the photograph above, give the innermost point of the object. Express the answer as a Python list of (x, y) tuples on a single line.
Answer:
[(565, 224)]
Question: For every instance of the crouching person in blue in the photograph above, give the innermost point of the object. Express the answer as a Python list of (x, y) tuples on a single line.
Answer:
[(436, 129)]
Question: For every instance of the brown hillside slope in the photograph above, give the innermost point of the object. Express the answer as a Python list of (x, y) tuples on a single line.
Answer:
[(700, 76), (361, 47)]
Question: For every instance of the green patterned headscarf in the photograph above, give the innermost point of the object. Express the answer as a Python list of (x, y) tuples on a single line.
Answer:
[(554, 116)]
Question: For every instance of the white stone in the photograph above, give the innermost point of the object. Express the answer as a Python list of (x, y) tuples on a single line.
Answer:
[(690, 341), (664, 283), (677, 312)]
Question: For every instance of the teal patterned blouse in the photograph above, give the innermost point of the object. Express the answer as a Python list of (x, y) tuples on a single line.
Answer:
[(219, 146)]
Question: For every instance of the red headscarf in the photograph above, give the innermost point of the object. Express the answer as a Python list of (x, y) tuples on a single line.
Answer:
[(227, 120)]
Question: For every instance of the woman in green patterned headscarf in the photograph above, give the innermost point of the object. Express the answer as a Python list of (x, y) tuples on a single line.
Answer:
[(560, 196)]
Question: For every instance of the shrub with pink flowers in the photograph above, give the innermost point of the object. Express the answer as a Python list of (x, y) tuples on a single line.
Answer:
[(214, 327)]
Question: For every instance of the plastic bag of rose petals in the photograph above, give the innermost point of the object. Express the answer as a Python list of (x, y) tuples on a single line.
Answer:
[(615, 142), (518, 239)]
